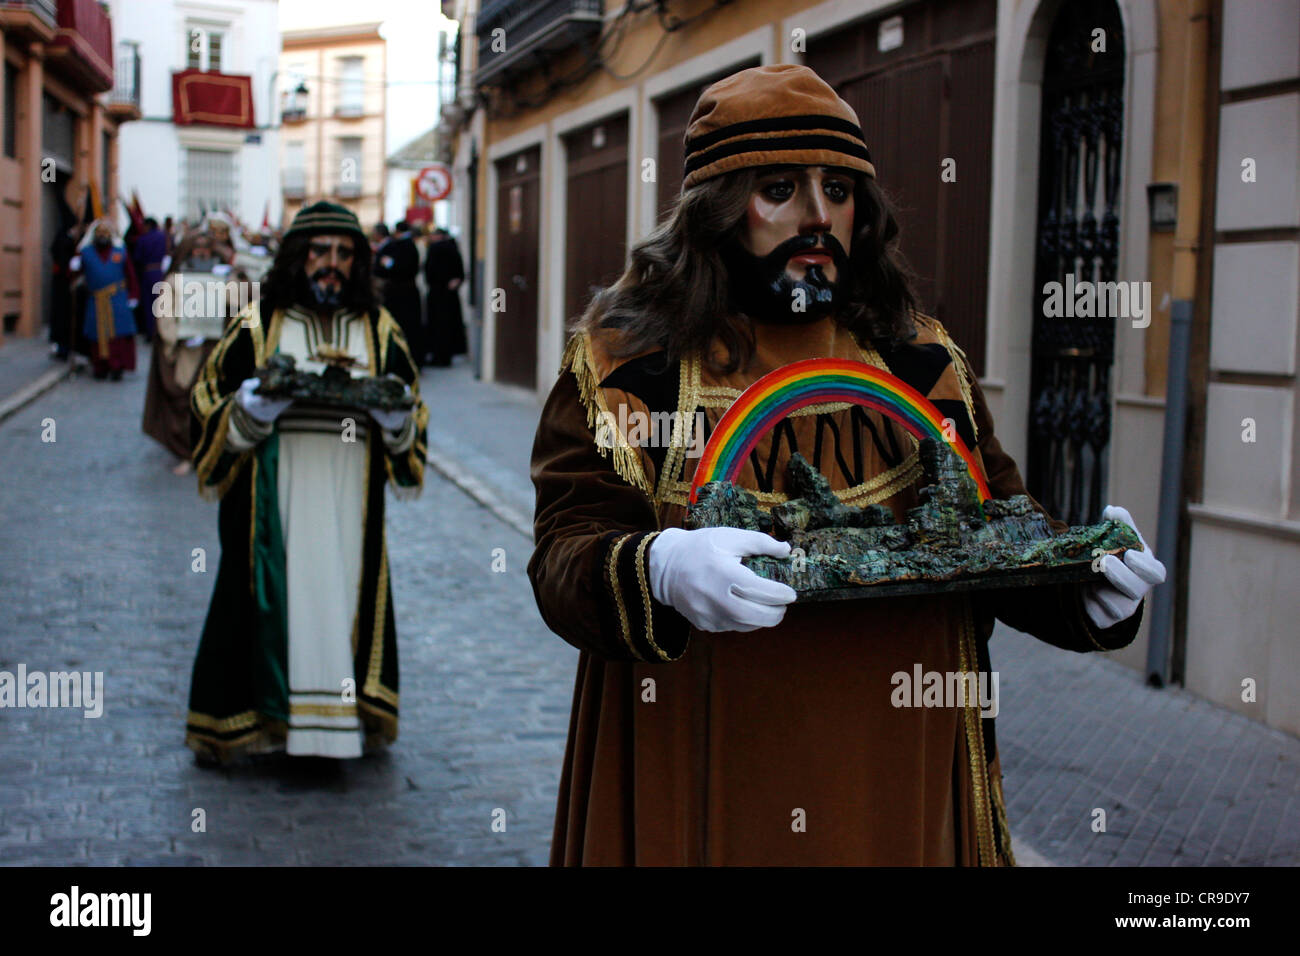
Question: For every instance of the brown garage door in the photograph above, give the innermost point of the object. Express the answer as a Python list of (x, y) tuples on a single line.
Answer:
[(595, 206), (518, 197), (925, 101), (674, 113)]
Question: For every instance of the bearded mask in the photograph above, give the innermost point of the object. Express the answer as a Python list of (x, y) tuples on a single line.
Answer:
[(315, 293), (762, 289)]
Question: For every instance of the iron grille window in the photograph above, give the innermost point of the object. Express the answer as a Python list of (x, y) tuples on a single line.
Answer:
[(58, 131), (203, 48), (210, 183)]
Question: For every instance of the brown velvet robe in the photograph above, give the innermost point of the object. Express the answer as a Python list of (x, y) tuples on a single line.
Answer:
[(779, 746)]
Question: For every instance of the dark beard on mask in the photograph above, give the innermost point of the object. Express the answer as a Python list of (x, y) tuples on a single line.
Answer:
[(762, 289), (313, 295)]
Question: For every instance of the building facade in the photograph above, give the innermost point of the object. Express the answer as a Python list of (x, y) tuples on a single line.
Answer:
[(60, 137), (208, 139), (334, 89), (1096, 146)]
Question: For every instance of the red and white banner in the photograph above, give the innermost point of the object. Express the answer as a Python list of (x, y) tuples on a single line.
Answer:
[(218, 99)]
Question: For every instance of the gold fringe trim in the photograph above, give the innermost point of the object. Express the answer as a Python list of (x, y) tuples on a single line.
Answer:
[(578, 359)]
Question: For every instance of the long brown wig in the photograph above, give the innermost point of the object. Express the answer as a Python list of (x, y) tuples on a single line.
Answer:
[(674, 292)]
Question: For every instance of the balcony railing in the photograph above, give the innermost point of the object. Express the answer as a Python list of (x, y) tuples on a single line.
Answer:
[(83, 46), (29, 19), (530, 28), (125, 96)]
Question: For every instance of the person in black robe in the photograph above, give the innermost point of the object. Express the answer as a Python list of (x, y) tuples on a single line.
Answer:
[(397, 264), (443, 272), (62, 249)]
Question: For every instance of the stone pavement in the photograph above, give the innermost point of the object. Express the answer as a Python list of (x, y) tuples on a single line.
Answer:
[(27, 370), (95, 574)]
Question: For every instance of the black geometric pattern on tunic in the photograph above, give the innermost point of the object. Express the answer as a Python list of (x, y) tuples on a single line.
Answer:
[(655, 381)]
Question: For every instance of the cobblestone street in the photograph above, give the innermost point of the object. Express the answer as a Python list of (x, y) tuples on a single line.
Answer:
[(95, 575)]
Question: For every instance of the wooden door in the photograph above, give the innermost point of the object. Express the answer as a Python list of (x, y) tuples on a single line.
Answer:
[(595, 240), (926, 106), (674, 114), (514, 301)]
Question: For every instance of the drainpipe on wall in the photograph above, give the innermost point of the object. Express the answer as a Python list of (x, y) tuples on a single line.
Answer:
[(1159, 638)]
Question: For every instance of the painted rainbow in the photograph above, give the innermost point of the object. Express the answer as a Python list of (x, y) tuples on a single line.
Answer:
[(811, 382)]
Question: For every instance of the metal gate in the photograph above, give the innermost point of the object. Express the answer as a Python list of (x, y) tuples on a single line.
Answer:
[(1078, 237)]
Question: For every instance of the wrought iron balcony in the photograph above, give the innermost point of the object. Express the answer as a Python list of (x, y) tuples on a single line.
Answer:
[(29, 19), (124, 100), (517, 35), (82, 48)]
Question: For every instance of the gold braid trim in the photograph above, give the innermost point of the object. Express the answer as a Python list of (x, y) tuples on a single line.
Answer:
[(611, 574), (979, 771), (248, 718), (959, 361), (372, 686), (1004, 830), (372, 716), (689, 393), (645, 596), (388, 334), (206, 402), (578, 359)]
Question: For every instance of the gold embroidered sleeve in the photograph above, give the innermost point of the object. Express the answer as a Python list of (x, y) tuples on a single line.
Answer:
[(593, 529)]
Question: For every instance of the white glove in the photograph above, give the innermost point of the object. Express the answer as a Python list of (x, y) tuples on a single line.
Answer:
[(699, 573), (391, 420), (1127, 582), (259, 407)]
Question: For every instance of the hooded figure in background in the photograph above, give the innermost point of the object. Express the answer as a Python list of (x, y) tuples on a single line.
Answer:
[(714, 721), (444, 271), (398, 263)]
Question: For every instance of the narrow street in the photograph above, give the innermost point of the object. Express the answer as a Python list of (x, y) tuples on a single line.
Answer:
[(95, 574)]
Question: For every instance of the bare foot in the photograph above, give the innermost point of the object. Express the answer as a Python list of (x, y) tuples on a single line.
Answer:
[(183, 468)]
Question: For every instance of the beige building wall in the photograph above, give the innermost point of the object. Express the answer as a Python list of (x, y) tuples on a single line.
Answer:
[(1243, 597), (331, 169)]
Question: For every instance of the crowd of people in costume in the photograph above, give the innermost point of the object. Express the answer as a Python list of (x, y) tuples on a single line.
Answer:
[(105, 286)]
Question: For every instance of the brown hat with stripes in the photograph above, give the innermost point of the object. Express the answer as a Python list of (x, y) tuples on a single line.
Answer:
[(324, 217), (769, 115)]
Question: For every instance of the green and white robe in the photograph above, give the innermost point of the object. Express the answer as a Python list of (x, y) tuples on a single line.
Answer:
[(299, 648)]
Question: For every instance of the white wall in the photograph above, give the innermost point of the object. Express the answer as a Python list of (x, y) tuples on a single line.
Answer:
[(150, 149)]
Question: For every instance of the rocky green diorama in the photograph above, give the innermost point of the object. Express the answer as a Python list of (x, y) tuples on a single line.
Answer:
[(949, 542), (334, 386)]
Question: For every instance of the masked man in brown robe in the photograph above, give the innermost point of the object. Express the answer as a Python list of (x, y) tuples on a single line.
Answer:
[(714, 722)]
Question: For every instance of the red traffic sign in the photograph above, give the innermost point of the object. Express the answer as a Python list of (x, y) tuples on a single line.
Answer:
[(433, 182)]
